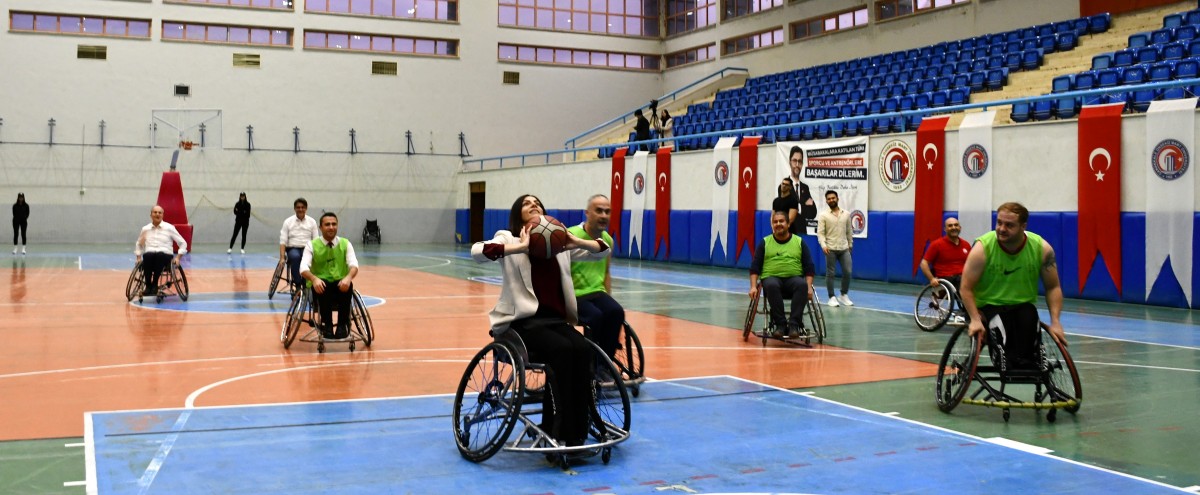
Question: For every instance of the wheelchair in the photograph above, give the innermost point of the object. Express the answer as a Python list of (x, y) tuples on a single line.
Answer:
[(282, 276), (172, 281), (629, 358), (371, 233), (936, 305), (813, 319), (501, 387), (1051, 372), (303, 311)]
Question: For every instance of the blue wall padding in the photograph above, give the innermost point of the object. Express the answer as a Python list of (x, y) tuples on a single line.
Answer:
[(887, 254), (462, 226)]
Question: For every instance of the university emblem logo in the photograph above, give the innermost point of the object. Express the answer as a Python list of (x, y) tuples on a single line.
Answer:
[(1170, 159), (975, 161), (858, 222), (639, 183), (895, 166), (721, 173)]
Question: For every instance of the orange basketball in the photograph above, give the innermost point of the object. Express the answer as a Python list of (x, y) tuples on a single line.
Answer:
[(547, 236)]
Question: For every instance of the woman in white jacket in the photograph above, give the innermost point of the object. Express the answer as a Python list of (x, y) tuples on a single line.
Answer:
[(537, 300)]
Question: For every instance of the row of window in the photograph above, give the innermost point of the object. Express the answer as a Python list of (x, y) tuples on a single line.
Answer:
[(567, 56), (438, 10), (616, 17)]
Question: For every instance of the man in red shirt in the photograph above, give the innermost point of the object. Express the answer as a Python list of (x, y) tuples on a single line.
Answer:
[(947, 255)]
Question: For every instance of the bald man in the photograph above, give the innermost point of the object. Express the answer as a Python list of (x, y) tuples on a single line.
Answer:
[(154, 247), (945, 257)]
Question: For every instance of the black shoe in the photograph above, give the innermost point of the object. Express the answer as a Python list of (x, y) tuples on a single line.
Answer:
[(778, 332), (795, 330)]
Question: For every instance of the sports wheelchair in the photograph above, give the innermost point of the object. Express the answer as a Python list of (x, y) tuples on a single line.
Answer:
[(813, 319), (371, 232), (282, 275), (172, 281), (502, 387), (936, 305), (1050, 371), (303, 311), (629, 358)]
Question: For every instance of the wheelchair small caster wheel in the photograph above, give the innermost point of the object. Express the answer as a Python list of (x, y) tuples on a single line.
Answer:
[(1052, 415), (351, 346), (563, 463), (637, 390), (158, 299), (606, 454), (321, 349), (1006, 415)]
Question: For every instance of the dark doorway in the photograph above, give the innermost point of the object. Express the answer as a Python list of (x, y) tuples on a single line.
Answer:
[(475, 232)]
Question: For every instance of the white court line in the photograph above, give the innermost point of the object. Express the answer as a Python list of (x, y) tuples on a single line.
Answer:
[(80, 444), (1013, 444), (74, 483)]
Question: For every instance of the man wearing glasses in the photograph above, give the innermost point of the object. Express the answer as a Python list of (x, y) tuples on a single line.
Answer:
[(329, 266)]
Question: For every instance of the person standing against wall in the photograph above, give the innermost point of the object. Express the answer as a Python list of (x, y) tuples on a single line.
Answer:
[(20, 222), (241, 215), (836, 236)]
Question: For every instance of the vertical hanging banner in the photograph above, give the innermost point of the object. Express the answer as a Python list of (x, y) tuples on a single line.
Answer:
[(931, 185), (662, 201), (722, 193), (616, 195), (635, 199), (1170, 191), (975, 178), (1099, 182), (747, 193), (836, 166)]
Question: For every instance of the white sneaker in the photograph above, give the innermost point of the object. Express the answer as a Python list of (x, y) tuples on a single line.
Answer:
[(14, 250), (228, 251), (22, 249), (958, 320), (833, 302), (243, 251), (845, 300)]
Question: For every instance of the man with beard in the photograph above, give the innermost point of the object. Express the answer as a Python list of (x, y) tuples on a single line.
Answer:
[(593, 282), (836, 236), (785, 267)]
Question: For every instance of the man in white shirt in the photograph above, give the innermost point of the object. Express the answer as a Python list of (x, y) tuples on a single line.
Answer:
[(154, 247), (329, 265), (836, 236), (297, 232)]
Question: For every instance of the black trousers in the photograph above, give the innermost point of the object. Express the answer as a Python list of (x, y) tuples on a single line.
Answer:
[(332, 298), (777, 288), (19, 227), (604, 317), (568, 359), (241, 225), (1014, 333), (153, 265)]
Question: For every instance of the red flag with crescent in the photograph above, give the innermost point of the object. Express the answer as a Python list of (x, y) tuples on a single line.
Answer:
[(662, 201), (931, 185), (1100, 190), (616, 197), (747, 193)]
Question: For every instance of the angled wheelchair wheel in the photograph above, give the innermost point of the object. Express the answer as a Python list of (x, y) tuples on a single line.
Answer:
[(179, 281), (361, 320), (135, 286), (488, 402), (611, 415), (629, 358), (816, 319), (751, 315), (956, 369), (279, 274), (1063, 380), (293, 321), (934, 306)]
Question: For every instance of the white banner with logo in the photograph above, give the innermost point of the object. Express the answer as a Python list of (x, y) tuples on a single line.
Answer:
[(722, 194), (635, 198), (839, 166), (975, 165), (1170, 190)]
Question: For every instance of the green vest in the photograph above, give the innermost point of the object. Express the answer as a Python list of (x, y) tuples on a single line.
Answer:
[(588, 276), (1009, 278), (782, 260), (329, 263)]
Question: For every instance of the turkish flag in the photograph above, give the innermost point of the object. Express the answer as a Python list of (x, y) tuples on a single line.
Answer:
[(1100, 190), (616, 197), (747, 193), (931, 185), (662, 201)]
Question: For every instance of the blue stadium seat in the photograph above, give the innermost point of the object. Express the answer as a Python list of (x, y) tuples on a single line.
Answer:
[(1080, 25), (1146, 55), (960, 96), (942, 83), (1187, 69), (1174, 94), (1194, 48), (1172, 20), (1134, 75), (978, 79), (960, 81), (1099, 23), (1045, 30), (995, 62), (1107, 78), (1020, 112), (1064, 27), (921, 101), (906, 102), (1101, 61), (1013, 60), (1138, 40), (1159, 72), (1161, 36), (1048, 44), (1066, 41), (1029, 44), (808, 132), (1031, 59), (1028, 33), (967, 44), (1066, 108), (1192, 16), (1186, 32), (1062, 83), (1140, 99), (927, 85), (1118, 97), (1122, 58), (1174, 51), (1043, 109), (997, 78)]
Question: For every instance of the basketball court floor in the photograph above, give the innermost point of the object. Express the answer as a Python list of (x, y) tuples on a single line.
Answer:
[(99, 395)]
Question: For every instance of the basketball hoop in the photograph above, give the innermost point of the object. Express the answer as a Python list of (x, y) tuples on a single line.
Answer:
[(186, 145)]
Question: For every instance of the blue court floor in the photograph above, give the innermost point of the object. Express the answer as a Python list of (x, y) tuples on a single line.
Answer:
[(699, 435)]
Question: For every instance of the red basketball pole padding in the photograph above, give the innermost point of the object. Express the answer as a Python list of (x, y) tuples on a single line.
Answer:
[(170, 198)]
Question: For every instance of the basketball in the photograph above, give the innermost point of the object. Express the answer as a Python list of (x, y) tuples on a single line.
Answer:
[(547, 236)]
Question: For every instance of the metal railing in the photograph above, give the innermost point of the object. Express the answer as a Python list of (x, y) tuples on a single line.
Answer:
[(547, 156)]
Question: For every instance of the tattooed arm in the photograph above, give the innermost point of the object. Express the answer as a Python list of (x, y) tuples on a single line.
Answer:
[(1054, 294)]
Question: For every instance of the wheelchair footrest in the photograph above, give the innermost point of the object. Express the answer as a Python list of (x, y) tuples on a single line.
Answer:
[(1023, 405)]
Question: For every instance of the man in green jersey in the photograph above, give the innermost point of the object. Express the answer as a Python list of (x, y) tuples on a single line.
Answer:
[(593, 283), (329, 265), (1000, 284), (785, 267)]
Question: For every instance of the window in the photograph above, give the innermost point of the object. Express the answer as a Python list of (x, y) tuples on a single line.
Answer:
[(571, 56), (890, 9), (615, 17), (379, 43), (114, 27), (754, 41), (256, 4), (738, 8), (433, 10), (216, 33), (829, 23), (691, 55), (689, 15)]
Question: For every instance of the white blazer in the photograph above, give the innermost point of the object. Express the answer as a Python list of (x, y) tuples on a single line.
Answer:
[(517, 300)]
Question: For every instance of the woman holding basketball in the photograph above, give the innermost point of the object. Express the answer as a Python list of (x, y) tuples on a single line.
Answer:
[(537, 300)]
